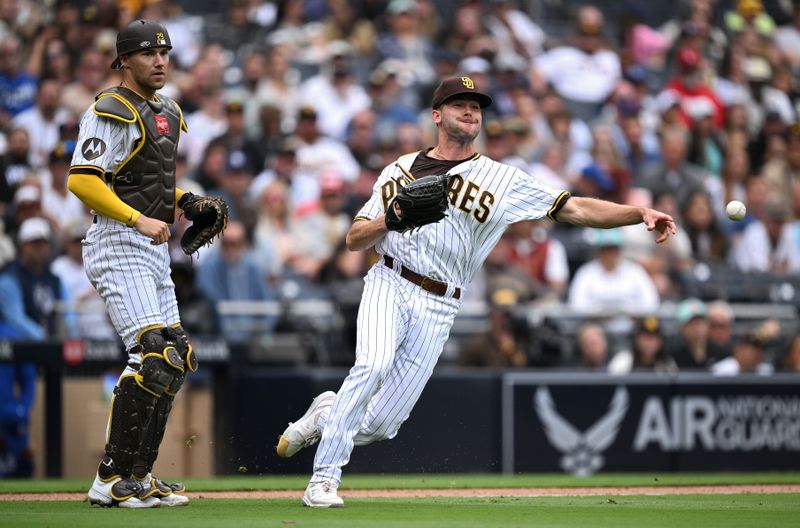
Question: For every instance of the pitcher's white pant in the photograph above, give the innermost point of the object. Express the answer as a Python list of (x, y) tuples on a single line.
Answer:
[(401, 330), (132, 276)]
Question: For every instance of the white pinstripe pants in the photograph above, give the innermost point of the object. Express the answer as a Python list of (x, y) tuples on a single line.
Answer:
[(401, 331), (133, 278)]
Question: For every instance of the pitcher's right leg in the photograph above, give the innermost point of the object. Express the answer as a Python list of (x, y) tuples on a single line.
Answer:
[(381, 327)]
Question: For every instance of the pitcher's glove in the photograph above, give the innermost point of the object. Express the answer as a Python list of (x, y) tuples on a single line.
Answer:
[(209, 216), (421, 202)]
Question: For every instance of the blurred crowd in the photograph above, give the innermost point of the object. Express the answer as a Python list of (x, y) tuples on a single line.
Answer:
[(293, 108)]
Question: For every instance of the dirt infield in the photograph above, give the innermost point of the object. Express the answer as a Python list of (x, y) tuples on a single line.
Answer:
[(467, 492)]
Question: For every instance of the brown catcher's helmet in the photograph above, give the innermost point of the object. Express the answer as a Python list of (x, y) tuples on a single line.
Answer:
[(140, 35)]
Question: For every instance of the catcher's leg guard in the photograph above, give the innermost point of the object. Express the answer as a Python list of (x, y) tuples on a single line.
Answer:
[(154, 433), (131, 409), (136, 398)]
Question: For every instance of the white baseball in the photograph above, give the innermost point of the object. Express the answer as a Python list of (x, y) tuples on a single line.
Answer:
[(735, 210)]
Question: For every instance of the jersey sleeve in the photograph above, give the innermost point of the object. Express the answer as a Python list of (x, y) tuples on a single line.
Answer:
[(530, 199), (103, 144)]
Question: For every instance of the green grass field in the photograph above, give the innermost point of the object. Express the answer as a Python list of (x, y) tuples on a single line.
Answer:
[(707, 511)]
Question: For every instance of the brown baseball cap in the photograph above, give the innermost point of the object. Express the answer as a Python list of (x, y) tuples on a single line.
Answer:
[(463, 86)]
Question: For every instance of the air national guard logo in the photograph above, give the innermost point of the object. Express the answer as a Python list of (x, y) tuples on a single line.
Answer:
[(581, 451), (162, 125), (93, 148)]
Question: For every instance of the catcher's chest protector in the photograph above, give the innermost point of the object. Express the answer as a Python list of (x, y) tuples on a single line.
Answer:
[(146, 181)]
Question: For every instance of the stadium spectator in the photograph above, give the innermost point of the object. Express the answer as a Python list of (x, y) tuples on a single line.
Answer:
[(592, 347), (790, 362), (674, 175), (233, 187), (661, 261), (690, 350), (231, 274), (405, 41), (705, 234), (499, 347), (705, 145), (749, 354), (235, 137), (205, 124), (782, 174), (583, 73), (17, 86), (91, 76), (749, 15), (720, 330), (549, 169), (334, 93), (278, 86), (316, 152), (787, 38), (28, 287), (51, 56), (319, 232), (14, 166), (609, 284), (527, 261), (211, 171), (282, 167), (517, 35), (42, 121), (274, 232), (769, 243), (233, 29), (646, 352), (28, 204), (692, 90), (735, 172)]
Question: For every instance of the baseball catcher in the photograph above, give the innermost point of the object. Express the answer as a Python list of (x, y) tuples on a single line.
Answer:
[(421, 202), (209, 216)]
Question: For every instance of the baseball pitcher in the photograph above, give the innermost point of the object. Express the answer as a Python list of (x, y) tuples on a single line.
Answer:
[(124, 169), (434, 215)]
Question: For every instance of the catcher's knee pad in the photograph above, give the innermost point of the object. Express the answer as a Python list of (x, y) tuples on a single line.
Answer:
[(187, 356), (185, 348), (161, 361), (131, 410)]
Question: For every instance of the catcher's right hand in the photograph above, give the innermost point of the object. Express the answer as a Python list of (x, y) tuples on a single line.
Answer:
[(421, 202), (209, 216)]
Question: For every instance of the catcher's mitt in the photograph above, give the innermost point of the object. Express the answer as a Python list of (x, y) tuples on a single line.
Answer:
[(421, 202), (209, 216)]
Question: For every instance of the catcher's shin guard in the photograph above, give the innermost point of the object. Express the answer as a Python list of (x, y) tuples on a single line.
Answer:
[(154, 433), (136, 398), (131, 409)]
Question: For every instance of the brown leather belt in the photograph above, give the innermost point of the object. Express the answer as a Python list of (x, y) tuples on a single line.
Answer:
[(426, 283)]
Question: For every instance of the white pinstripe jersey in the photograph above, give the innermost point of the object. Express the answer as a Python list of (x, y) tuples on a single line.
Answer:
[(485, 197), (116, 138)]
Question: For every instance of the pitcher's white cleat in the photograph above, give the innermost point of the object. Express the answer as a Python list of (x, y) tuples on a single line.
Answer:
[(304, 432), (322, 495)]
